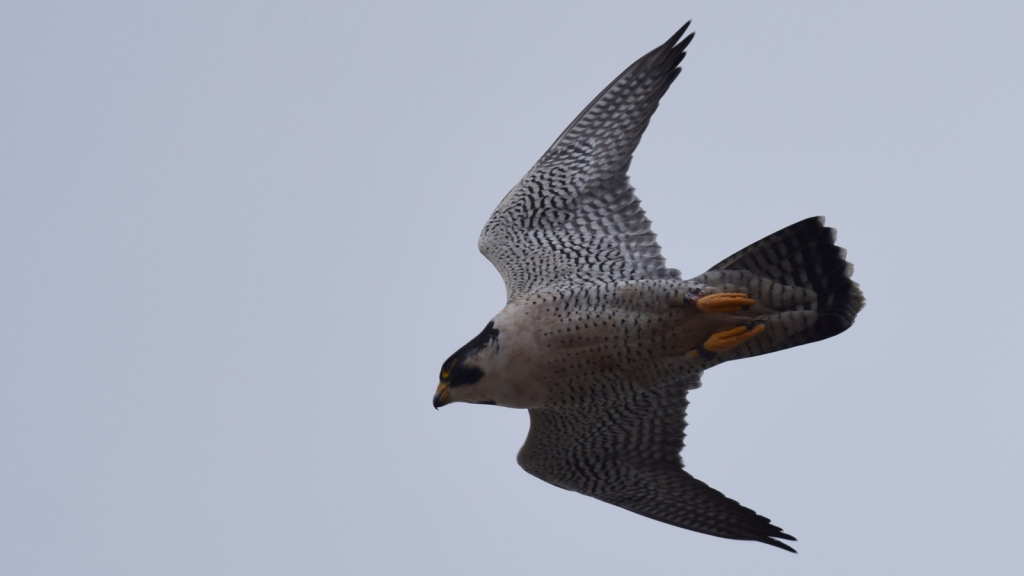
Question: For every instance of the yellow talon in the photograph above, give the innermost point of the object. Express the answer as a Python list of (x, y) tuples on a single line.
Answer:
[(721, 341), (724, 340), (724, 303)]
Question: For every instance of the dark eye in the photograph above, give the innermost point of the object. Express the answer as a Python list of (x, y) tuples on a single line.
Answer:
[(447, 368)]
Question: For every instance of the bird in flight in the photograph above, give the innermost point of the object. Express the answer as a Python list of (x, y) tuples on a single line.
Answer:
[(601, 342)]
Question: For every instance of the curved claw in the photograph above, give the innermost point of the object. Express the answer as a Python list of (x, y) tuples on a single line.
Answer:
[(726, 339), (721, 341), (724, 303)]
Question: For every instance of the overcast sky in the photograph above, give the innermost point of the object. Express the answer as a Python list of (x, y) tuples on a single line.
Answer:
[(237, 240)]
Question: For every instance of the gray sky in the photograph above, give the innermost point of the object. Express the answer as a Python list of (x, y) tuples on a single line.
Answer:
[(238, 239)]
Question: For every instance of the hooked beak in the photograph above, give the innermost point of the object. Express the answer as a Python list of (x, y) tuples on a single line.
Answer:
[(442, 396)]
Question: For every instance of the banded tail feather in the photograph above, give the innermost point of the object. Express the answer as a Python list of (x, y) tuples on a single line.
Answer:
[(804, 257)]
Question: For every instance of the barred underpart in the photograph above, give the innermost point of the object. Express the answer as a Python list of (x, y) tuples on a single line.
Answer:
[(631, 459), (608, 341), (574, 218)]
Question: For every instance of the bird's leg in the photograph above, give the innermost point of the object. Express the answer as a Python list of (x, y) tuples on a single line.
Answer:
[(722, 341), (726, 303), (726, 339)]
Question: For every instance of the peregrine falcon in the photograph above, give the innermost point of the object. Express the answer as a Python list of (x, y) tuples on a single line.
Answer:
[(601, 342)]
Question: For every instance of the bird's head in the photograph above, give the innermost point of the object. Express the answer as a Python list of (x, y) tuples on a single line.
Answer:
[(463, 372)]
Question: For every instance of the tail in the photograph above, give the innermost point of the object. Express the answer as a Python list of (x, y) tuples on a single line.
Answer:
[(803, 256)]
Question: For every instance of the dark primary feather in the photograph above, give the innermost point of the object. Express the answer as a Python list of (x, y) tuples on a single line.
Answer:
[(573, 219), (642, 85), (630, 457)]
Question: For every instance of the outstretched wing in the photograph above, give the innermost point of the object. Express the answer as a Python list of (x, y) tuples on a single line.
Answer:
[(626, 453), (573, 219)]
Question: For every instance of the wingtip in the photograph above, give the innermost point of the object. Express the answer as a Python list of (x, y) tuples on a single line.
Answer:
[(772, 541), (674, 39)]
